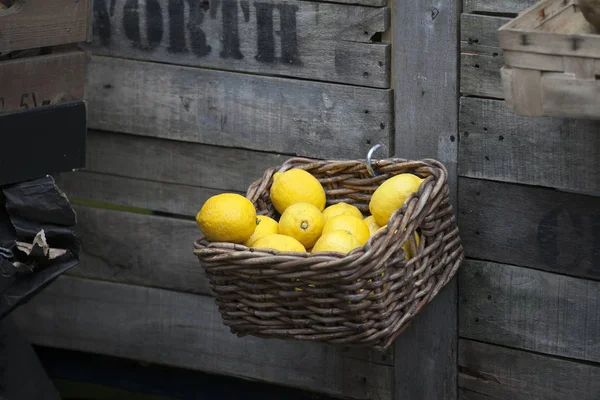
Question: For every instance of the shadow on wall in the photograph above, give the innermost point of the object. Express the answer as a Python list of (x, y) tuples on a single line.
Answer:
[(84, 376)]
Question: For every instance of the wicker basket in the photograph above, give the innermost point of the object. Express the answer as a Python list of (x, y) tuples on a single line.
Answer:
[(366, 297)]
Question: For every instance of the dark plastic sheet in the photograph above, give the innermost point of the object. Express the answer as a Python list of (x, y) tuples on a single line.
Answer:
[(37, 240)]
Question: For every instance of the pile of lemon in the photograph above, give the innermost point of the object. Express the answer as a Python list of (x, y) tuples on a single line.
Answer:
[(305, 225)]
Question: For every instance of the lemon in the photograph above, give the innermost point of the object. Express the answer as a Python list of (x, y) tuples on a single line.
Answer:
[(227, 217), (372, 224), (406, 247), (279, 242), (296, 186), (339, 240), (302, 221), (264, 226), (353, 225), (391, 194), (341, 209)]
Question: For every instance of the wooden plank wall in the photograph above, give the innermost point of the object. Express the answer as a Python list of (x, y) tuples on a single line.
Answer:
[(529, 214), (188, 99)]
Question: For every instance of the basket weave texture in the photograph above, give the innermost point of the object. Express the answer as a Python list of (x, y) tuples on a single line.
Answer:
[(364, 298)]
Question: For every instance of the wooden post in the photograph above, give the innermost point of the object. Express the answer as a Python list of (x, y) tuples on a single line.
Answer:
[(425, 80)]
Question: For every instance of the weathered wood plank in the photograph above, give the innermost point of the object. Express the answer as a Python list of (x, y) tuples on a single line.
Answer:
[(499, 145), (499, 373), (237, 110), (40, 23), (481, 57), (176, 162), (530, 226), (185, 330), (426, 125), (149, 195), (371, 3), (480, 76), (312, 40), (139, 249), (497, 6), (478, 31), (42, 80), (532, 310), (161, 175)]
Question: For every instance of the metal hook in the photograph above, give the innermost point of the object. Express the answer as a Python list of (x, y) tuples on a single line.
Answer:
[(369, 155)]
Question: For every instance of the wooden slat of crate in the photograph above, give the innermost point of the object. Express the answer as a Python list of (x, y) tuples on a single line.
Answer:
[(496, 6), (498, 145), (37, 81), (301, 39), (42, 23), (530, 226), (237, 110), (532, 310), (535, 93), (565, 96), (496, 372), (551, 62), (185, 330)]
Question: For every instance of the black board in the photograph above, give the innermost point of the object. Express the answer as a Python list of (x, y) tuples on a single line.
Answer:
[(40, 141)]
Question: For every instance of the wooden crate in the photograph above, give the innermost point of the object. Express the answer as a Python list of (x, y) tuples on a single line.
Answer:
[(41, 80), (29, 24), (40, 63), (552, 62)]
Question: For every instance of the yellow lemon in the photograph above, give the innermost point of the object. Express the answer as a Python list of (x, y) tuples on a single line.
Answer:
[(296, 186), (339, 240), (406, 247), (372, 224), (341, 209), (227, 217), (391, 194), (279, 242), (302, 221), (264, 226), (354, 225)]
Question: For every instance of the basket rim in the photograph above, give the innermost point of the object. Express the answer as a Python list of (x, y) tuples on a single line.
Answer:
[(374, 243)]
